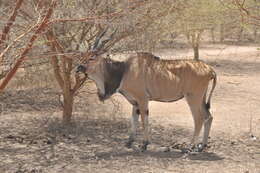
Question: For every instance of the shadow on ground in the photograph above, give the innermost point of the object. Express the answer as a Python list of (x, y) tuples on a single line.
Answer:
[(26, 100), (87, 140)]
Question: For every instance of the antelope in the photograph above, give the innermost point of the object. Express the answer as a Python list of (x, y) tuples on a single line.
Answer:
[(144, 77)]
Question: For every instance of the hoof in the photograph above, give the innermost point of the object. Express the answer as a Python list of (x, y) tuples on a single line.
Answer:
[(144, 146), (186, 150), (129, 143), (199, 147)]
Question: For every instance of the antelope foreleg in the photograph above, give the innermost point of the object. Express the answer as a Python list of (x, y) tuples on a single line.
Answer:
[(134, 124)]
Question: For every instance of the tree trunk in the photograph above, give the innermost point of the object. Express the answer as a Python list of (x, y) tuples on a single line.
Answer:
[(194, 38), (221, 37), (196, 52), (67, 106), (212, 31), (240, 34), (255, 34)]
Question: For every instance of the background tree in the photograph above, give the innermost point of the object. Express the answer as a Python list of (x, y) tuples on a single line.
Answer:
[(240, 22), (194, 19)]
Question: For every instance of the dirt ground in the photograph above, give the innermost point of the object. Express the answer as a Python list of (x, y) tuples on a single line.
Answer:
[(32, 139)]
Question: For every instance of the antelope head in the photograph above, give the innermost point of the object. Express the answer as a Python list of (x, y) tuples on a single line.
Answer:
[(92, 60)]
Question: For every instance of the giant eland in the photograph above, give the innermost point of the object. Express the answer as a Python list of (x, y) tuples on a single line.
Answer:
[(144, 77)]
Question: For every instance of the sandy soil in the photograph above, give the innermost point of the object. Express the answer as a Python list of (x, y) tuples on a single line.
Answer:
[(32, 138)]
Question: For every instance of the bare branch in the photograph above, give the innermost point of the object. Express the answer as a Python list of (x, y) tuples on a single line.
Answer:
[(10, 21), (54, 59), (14, 41), (40, 28), (79, 82), (106, 16)]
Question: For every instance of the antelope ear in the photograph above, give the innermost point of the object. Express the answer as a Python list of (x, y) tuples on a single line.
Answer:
[(100, 52)]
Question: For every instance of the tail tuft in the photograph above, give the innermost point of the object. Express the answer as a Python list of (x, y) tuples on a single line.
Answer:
[(212, 89), (208, 106)]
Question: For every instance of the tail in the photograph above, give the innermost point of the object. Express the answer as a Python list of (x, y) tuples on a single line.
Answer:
[(212, 89)]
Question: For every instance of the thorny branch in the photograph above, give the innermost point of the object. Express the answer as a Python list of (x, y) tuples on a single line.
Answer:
[(37, 32), (54, 60), (10, 22), (14, 41), (113, 14), (7, 27)]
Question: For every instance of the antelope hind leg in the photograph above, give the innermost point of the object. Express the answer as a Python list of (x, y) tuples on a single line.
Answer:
[(145, 124)]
